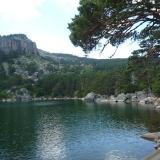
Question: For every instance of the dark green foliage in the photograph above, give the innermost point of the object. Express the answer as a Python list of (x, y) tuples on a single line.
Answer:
[(2, 73), (11, 81), (57, 85), (11, 70), (144, 69), (116, 21), (70, 63), (156, 85), (8, 56), (70, 76), (50, 68), (124, 83), (63, 83), (72, 84), (31, 68), (73, 76), (3, 95)]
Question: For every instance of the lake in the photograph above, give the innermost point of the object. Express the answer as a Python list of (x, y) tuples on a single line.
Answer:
[(74, 130)]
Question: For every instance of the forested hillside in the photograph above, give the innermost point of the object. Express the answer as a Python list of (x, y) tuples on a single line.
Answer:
[(52, 74), (100, 23), (38, 73)]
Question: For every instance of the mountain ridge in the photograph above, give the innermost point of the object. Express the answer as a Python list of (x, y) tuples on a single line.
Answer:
[(18, 47)]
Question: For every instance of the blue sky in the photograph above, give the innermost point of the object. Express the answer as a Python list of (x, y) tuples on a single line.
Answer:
[(45, 22)]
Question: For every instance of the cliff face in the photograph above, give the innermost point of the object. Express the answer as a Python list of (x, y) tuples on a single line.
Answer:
[(18, 43)]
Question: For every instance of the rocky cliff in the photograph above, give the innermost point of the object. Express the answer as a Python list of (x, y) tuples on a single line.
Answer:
[(17, 43)]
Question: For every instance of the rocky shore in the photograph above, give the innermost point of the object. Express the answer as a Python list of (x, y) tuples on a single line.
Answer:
[(31, 99), (137, 97), (23, 95), (154, 137), (140, 97)]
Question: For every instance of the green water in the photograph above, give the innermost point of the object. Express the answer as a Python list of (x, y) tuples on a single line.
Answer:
[(73, 130)]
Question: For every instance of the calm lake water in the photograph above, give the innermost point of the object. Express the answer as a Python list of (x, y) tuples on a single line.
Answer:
[(73, 130)]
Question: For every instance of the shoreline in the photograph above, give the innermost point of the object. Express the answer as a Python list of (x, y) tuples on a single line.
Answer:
[(11, 100), (139, 97), (154, 137)]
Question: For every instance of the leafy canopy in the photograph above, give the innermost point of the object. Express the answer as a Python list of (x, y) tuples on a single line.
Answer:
[(115, 21)]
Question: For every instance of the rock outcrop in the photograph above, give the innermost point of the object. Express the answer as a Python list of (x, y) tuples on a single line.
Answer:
[(121, 97), (19, 95), (23, 95), (151, 136), (93, 97), (157, 104), (90, 97), (138, 97), (17, 43)]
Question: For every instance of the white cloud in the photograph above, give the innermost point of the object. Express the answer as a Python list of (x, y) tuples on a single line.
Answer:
[(19, 10), (16, 17), (69, 6), (56, 44), (124, 51)]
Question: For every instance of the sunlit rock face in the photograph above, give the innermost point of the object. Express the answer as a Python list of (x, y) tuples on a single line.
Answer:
[(18, 43)]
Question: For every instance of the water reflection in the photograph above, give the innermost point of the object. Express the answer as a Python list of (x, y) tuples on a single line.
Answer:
[(117, 155), (68, 130), (50, 138), (16, 129)]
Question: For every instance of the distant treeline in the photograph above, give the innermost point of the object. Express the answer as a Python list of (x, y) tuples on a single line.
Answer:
[(139, 74)]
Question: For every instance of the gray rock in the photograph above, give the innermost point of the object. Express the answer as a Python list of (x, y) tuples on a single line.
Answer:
[(23, 98), (157, 108), (131, 97), (6, 68), (101, 100), (151, 136), (90, 97), (134, 98), (148, 100), (121, 97), (141, 95), (112, 98), (17, 43), (23, 95), (157, 102)]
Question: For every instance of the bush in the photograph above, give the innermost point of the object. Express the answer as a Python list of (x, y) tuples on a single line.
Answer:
[(3, 95), (156, 85), (31, 68)]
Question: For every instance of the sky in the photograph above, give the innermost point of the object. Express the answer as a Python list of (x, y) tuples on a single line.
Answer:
[(45, 22)]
